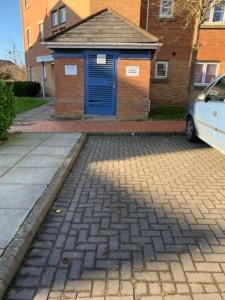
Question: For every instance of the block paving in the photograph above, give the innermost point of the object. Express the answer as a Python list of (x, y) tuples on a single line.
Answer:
[(137, 218)]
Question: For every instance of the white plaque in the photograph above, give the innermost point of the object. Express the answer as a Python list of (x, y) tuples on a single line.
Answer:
[(71, 70), (101, 59), (133, 71)]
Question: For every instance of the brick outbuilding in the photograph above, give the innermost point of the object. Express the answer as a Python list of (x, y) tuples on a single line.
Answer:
[(102, 67)]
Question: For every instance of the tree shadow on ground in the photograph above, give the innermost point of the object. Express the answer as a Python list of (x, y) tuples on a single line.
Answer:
[(137, 216)]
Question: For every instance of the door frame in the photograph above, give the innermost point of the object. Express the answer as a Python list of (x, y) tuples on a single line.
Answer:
[(115, 53)]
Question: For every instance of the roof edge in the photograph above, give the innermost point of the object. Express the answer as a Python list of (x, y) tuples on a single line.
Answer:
[(147, 34), (76, 24), (66, 45)]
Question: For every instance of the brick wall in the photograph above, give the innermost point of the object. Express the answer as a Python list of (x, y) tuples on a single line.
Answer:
[(176, 50), (125, 8), (133, 92), (69, 90)]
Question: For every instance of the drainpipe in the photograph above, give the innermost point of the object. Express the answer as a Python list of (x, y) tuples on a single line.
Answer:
[(43, 79), (147, 16)]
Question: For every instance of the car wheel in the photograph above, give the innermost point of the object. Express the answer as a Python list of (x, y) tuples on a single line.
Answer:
[(190, 130)]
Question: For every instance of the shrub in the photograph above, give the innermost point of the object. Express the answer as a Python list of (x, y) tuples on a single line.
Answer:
[(7, 110), (26, 88)]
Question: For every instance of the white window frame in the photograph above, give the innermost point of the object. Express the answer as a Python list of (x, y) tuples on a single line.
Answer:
[(205, 64), (41, 32), (26, 2), (161, 15), (211, 15), (28, 31), (60, 10), (166, 63), (55, 12)]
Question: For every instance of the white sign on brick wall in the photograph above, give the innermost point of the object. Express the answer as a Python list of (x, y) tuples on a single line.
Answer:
[(71, 70), (133, 71)]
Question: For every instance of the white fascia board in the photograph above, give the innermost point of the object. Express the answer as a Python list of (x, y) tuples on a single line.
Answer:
[(66, 45)]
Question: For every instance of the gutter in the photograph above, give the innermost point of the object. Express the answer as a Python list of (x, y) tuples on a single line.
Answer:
[(66, 45)]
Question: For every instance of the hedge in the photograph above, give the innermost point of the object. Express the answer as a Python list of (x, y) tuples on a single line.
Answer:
[(25, 88), (7, 109)]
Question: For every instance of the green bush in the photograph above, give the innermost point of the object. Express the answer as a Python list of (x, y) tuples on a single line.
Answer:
[(7, 110), (26, 88)]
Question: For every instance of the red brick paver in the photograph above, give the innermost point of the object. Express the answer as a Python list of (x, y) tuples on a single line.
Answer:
[(99, 126), (138, 218)]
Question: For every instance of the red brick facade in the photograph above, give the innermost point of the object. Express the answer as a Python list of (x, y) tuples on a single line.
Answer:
[(132, 92), (69, 90), (176, 41)]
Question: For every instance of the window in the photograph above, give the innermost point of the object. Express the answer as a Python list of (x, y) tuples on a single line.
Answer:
[(217, 14), (26, 3), (217, 93), (62, 14), (161, 69), (28, 37), (205, 73), (41, 31), (166, 9), (55, 18)]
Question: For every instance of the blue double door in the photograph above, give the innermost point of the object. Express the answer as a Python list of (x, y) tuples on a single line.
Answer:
[(100, 83)]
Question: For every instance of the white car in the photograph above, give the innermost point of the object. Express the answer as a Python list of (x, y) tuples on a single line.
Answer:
[(206, 116)]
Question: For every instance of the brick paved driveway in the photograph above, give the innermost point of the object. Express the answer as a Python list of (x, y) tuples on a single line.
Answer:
[(137, 218)]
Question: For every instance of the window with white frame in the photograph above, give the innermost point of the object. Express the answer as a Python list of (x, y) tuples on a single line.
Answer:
[(166, 9), (161, 69), (55, 20), (205, 72), (28, 37), (217, 13), (41, 31), (62, 14)]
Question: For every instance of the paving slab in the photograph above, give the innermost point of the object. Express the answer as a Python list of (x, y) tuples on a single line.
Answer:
[(33, 175), (19, 196), (29, 183), (42, 161), (26, 169), (9, 160), (10, 220)]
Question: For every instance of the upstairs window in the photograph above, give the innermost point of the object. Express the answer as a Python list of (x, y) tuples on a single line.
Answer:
[(55, 20), (205, 73), (217, 13), (26, 3), (28, 37), (41, 31), (166, 9), (62, 15), (161, 70)]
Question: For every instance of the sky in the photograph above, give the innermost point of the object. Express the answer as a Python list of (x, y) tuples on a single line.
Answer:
[(11, 30)]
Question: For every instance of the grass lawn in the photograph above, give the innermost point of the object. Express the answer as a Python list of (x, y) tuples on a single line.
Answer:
[(168, 113), (25, 103)]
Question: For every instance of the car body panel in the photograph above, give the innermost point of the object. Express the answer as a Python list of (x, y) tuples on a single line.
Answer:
[(208, 114)]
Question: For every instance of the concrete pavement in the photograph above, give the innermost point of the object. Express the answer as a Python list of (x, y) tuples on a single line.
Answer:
[(28, 163), (43, 112)]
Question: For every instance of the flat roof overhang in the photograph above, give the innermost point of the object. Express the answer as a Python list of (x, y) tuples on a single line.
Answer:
[(69, 45), (44, 58)]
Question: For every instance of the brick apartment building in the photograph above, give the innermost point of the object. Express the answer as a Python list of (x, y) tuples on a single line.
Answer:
[(171, 64)]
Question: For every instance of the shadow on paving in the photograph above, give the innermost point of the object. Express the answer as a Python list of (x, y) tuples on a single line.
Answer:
[(137, 216)]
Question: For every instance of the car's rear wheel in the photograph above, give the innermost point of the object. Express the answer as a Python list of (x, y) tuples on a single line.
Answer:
[(190, 130)]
